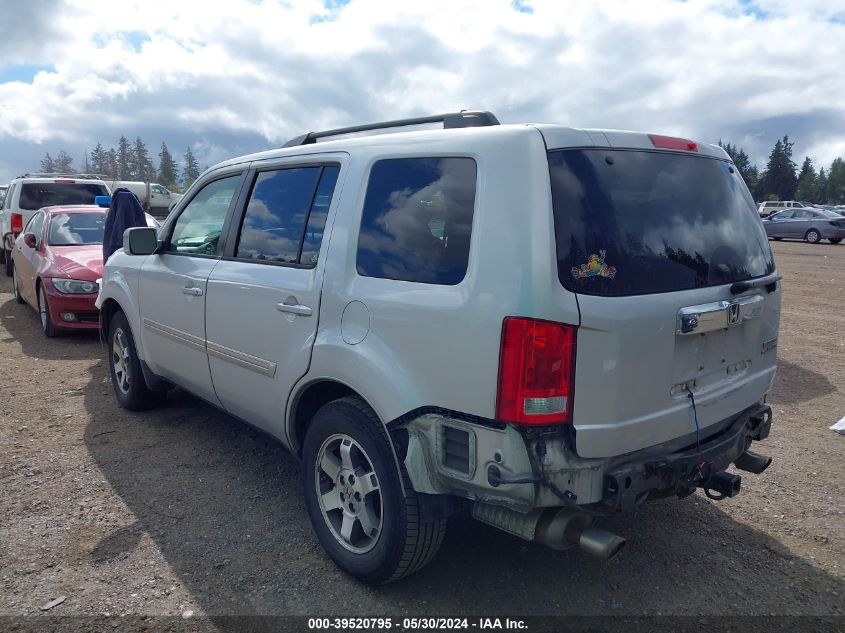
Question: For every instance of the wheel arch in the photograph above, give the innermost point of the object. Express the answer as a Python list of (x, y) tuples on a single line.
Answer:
[(307, 400)]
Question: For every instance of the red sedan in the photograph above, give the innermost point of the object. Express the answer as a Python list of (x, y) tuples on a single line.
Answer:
[(57, 259)]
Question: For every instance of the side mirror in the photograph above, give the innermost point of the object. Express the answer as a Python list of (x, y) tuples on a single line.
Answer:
[(30, 240), (141, 240)]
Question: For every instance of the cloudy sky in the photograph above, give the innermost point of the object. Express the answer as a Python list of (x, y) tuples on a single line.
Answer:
[(227, 78)]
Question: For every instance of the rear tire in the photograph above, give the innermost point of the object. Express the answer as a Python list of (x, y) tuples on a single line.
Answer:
[(15, 288), (835, 240), (127, 377), (364, 511), (777, 239), (7, 262), (813, 236), (44, 312)]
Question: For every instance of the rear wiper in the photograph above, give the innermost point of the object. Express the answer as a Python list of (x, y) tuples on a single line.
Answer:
[(769, 281)]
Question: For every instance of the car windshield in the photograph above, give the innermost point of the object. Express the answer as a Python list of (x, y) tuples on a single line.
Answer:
[(35, 195), (827, 213), (72, 229), (637, 222)]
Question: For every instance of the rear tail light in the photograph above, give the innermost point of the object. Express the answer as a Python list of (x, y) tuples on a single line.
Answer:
[(671, 142), (536, 371), (17, 223)]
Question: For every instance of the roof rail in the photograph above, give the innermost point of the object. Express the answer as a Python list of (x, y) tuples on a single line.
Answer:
[(464, 118), (38, 174)]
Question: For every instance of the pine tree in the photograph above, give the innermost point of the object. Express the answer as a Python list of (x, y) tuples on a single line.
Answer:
[(780, 179), (63, 163), (836, 182), (111, 163), (743, 164), (808, 183), (99, 160), (124, 159), (142, 166), (167, 170), (191, 171), (47, 164), (823, 197)]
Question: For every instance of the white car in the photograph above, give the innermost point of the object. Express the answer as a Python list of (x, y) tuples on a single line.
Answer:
[(30, 192), (532, 324)]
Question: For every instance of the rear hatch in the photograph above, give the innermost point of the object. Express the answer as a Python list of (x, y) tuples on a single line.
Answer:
[(655, 244)]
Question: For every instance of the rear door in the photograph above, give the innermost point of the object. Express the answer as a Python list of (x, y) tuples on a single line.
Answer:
[(264, 297), (652, 242)]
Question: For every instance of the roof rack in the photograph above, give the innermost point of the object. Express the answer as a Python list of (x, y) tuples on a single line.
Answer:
[(464, 118), (38, 174)]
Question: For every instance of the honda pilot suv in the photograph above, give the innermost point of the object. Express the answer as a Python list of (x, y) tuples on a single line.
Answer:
[(532, 324)]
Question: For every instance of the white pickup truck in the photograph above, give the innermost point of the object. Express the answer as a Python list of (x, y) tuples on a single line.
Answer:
[(156, 198)]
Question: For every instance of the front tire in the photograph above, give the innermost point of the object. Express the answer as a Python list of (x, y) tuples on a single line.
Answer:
[(127, 378), (835, 240), (364, 511), (813, 236), (44, 312)]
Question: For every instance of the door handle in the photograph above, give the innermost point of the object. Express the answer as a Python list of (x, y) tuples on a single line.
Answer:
[(190, 290), (299, 309)]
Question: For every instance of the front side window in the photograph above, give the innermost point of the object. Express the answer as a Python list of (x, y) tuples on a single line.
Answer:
[(71, 229), (35, 226), (198, 227), (417, 220), (639, 222)]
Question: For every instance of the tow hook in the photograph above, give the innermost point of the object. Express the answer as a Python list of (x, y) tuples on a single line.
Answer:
[(720, 485)]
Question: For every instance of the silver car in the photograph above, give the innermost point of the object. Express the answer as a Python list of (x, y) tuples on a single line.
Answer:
[(811, 225)]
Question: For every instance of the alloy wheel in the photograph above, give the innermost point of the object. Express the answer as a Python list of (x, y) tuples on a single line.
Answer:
[(120, 360), (349, 493)]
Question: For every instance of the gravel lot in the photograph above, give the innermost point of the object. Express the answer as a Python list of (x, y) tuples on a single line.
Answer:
[(183, 508)]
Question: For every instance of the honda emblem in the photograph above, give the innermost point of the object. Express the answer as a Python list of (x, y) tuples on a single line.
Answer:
[(733, 313)]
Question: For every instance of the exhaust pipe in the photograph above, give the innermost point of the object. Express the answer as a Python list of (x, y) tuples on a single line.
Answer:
[(722, 483), (752, 462), (565, 528), (600, 543)]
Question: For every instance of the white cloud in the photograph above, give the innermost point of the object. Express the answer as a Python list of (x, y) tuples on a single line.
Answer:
[(241, 75)]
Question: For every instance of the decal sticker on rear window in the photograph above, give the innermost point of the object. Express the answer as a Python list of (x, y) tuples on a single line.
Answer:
[(595, 267)]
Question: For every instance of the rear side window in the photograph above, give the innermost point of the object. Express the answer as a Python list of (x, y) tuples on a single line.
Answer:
[(35, 195), (286, 215), (417, 220), (635, 222)]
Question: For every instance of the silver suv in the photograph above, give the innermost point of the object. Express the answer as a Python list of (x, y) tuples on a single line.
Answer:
[(532, 324)]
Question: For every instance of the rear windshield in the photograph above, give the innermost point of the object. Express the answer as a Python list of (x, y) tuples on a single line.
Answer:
[(35, 195), (637, 222), (69, 229)]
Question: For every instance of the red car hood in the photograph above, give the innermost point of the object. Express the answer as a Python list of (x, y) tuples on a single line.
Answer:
[(77, 262)]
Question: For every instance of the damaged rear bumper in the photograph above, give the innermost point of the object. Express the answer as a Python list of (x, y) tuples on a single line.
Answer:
[(509, 466)]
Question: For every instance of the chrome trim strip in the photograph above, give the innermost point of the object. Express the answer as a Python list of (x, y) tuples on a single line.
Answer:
[(709, 317), (247, 361), (173, 334)]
